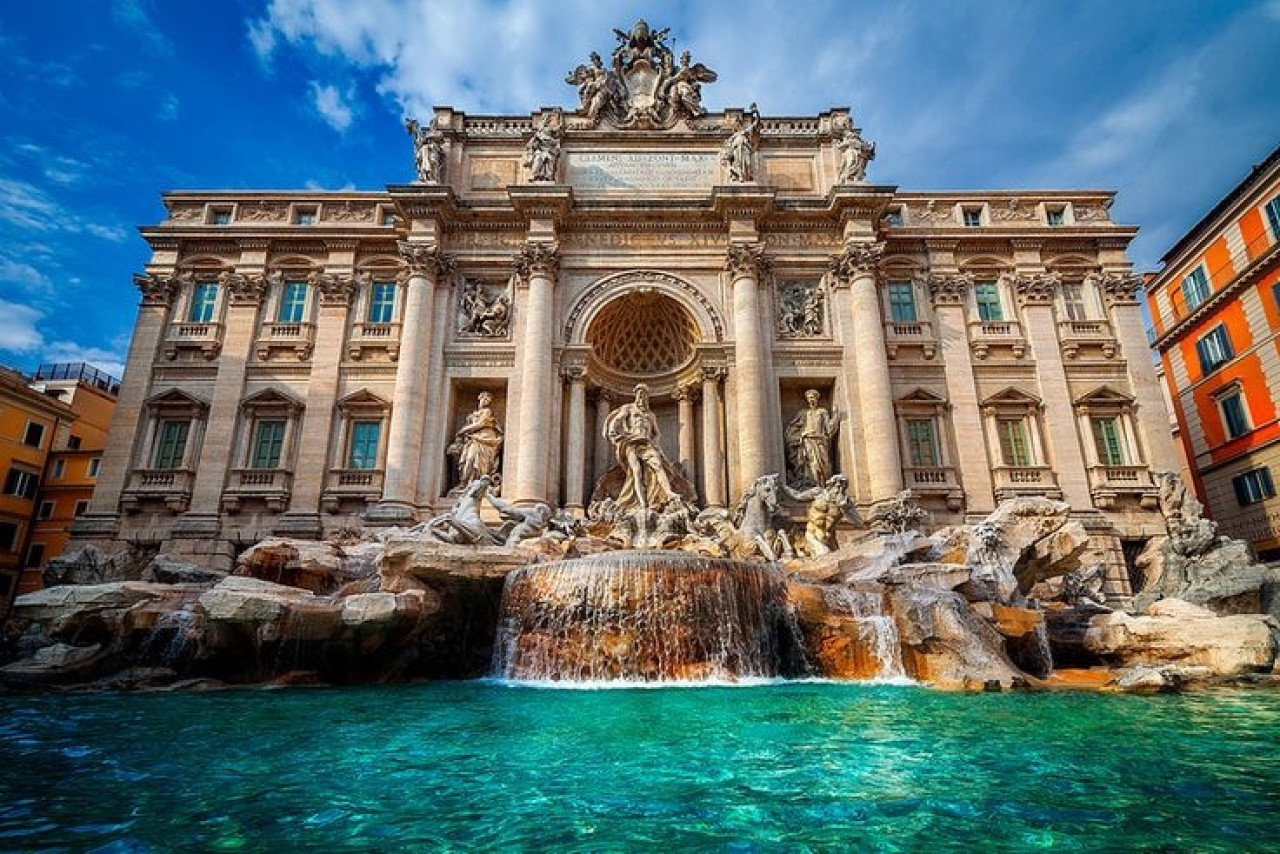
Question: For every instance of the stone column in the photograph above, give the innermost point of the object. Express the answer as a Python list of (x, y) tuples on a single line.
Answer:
[(745, 263), (575, 440), (129, 416), (604, 459), (684, 399), (313, 460), (856, 269), (536, 268), (1035, 294), (425, 267), (1152, 417), (244, 294), (712, 450), (948, 293)]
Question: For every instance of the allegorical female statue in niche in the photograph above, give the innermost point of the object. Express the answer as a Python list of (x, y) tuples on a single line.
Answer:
[(477, 444), (809, 438)]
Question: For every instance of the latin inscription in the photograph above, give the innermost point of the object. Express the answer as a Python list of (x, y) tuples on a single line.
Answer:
[(640, 170)]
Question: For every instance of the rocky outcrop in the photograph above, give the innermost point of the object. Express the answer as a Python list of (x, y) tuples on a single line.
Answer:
[(1178, 632), (947, 644), (166, 570), (318, 566), (1223, 578)]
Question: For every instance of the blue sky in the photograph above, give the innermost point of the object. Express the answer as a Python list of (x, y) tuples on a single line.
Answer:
[(107, 104)]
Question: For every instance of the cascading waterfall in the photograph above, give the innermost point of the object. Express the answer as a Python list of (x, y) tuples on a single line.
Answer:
[(878, 629), (642, 616)]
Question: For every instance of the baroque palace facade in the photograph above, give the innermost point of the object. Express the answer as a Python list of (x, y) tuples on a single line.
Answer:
[(308, 361)]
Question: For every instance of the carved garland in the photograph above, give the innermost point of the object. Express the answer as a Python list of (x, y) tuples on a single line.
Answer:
[(622, 283), (333, 289), (159, 290), (1120, 288), (1038, 289)]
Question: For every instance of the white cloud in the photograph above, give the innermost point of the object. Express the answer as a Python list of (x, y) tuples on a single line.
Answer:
[(18, 332), (334, 107), (131, 15), (111, 361), (23, 275), (27, 206), (168, 109), (114, 233)]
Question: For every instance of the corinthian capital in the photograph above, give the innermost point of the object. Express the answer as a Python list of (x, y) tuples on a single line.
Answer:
[(857, 259), (243, 288), (537, 259), (1120, 288), (948, 288), (423, 259), (156, 289), (746, 259), (1036, 289), (332, 288)]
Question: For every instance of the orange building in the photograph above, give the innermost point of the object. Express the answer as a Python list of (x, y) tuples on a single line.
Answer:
[(1216, 309), (71, 471), (30, 423)]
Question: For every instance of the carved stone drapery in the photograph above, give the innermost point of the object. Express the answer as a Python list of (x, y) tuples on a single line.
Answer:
[(332, 288), (949, 288), (747, 259), (1120, 288), (243, 288), (157, 289), (537, 258), (1035, 289), (857, 259)]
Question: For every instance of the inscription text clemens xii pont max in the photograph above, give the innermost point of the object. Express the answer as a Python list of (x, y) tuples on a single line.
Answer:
[(640, 170)]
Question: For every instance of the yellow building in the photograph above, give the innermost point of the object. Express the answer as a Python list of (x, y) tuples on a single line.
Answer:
[(71, 471), (30, 422)]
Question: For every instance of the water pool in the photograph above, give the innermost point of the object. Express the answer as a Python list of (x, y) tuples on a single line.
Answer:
[(781, 767)]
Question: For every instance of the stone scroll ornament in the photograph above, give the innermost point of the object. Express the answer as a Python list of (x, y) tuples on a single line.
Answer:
[(643, 87)]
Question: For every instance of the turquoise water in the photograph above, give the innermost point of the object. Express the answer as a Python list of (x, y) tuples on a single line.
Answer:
[(786, 767)]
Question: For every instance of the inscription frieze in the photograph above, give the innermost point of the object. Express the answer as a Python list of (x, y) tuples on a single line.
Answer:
[(640, 170)]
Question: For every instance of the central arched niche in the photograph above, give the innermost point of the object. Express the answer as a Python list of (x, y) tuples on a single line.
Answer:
[(642, 334)]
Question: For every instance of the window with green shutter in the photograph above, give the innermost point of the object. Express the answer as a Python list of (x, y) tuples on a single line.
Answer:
[(267, 441), (1106, 438), (203, 300), (922, 444), (171, 448), (293, 302), (364, 445), (987, 295), (1014, 450), (902, 302)]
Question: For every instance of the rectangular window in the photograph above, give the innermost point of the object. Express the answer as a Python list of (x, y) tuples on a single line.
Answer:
[(1253, 486), (304, 216), (1014, 450), (8, 536), (1106, 438), (46, 510), (987, 295), (364, 445), (59, 468), (1214, 349), (33, 435), (171, 450), (21, 483), (220, 216), (1234, 416), (1195, 289), (388, 218), (267, 441), (972, 217), (894, 217), (1273, 216), (382, 302), (293, 302), (81, 507), (203, 300), (1055, 216), (902, 302), (1073, 301), (73, 442), (35, 555), (922, 445), (94, 465)]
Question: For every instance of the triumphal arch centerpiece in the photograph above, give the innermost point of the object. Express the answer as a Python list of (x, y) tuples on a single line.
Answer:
[(307, 362)]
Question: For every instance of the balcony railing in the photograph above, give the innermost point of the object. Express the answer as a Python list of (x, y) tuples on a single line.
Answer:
[(205, 337), (347, 484), (1075, 334), (985, 334), (298, 337), (374, 336), (917, 333), (1107, 483), (172, 486), (1025, 480), (269, 485)]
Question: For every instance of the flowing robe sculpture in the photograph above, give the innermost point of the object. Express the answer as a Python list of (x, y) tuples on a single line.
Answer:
[(428, 152), (542, 154), (632, 429), (856, 154), (477, 444), (740, 148), (809, 438)]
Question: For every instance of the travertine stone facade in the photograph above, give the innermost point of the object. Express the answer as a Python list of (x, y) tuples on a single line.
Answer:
[(302, 361)]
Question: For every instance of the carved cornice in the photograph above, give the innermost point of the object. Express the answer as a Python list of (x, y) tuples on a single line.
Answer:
[(949, 288), (537, 259), (424, 259), (253, 244), (857, 260), (243, 288), (1120, 288), (746, 259), (333, 289), (1035, 289), (713, 373), (159, 290), (341, 244)]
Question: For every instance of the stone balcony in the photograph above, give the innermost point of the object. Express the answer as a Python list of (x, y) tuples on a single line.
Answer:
[(935, 480), (271, 486), (203, 337), (988, 335), (172, 486), (351, 485), (1086, 338), (296, 337), (1014, 481), (1108, 484), (366, 337), (914, 335)]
